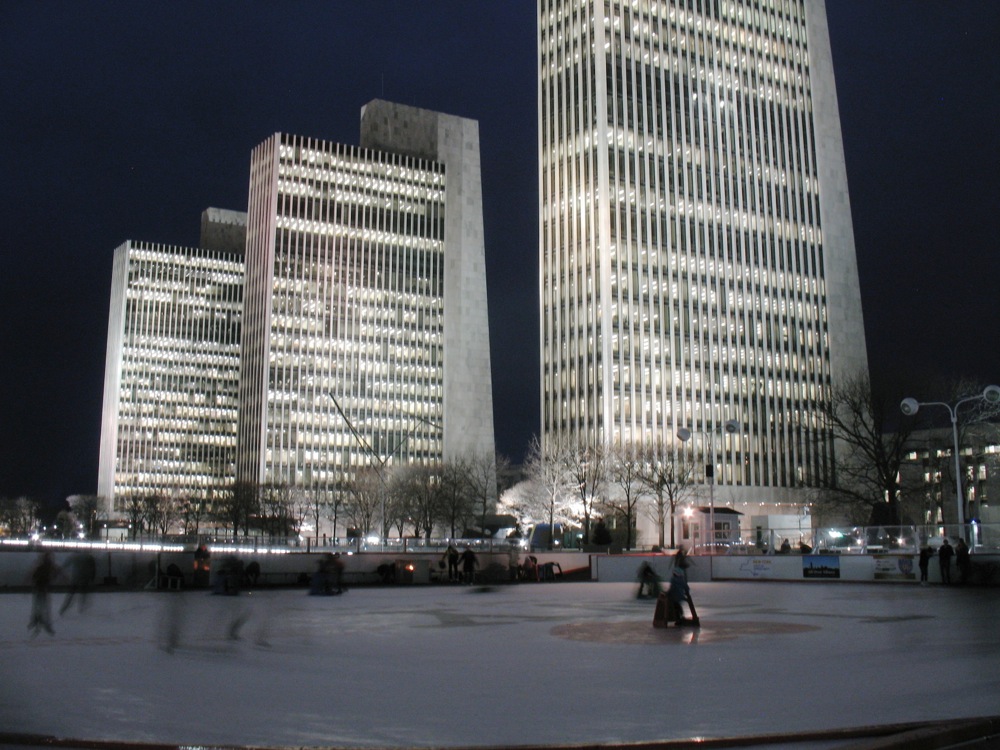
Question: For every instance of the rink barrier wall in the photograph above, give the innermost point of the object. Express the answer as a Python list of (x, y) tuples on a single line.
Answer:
[(130, 569), (135, 569), (881, 568)]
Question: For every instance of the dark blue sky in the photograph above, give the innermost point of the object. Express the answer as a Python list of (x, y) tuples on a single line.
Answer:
[(124, 121)]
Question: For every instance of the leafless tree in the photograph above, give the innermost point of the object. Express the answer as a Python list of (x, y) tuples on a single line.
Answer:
[(482, 470), (669, 477), (587, 469), (548, 472), (456, 507), (366, 496), (275, 509), (134, 509), (625, 467), (193, 510), (87, 509), (418, 489), (19, 515), (239, 504), (869, 454)]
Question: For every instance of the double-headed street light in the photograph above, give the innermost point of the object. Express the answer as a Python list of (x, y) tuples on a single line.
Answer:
[(731, 427), (910, 406)]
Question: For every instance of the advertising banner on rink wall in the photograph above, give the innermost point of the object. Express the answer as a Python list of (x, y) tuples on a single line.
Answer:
[(821, 566), (894, 568)]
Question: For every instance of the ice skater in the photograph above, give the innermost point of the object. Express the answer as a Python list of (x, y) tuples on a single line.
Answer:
[(944, 559), (679, 592), (42, 576), (83, 570), (649, 582)]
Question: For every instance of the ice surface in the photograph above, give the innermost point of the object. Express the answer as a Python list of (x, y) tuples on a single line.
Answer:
[(531, 663)]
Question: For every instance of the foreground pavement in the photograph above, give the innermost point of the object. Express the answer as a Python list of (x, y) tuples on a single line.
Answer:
[(438, 666)]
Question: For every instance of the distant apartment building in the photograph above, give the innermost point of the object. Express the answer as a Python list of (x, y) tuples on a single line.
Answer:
[(365, 337), (171, 376), (697, 263), (927, 476)]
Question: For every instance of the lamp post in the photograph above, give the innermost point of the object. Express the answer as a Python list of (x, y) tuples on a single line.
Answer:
[(731, 427), (910, 406)]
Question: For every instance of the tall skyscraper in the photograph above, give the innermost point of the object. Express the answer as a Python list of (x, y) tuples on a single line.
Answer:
[(172, 369), (365, 334), (697, 260)]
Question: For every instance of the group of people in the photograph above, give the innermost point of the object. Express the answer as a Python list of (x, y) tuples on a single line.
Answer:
[(461, 565), (960, 552)]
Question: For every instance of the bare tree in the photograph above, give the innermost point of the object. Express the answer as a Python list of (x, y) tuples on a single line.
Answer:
[(869, 454), (134, 509), (239, 504), (87, 509), (366, 496), (193, 510), (482, 470), (419, 491), (275, 509), (668, 475), (19, 515), (548, 472), (456, 506), (587, 468), (625, 467)]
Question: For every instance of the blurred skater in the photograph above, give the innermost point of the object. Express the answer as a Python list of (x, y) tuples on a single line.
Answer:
[(42, 576), (679, 592), (83, 570), (649, 582)]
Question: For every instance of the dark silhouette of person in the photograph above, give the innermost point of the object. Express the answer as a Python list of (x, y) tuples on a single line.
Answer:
[(962, 560), (786, 547), (469, 564), (337, 574), (926, 553), (83, 570), (944, 559), (679, 592), (453, 557), (42, 576), (253, 572), (649, 582)]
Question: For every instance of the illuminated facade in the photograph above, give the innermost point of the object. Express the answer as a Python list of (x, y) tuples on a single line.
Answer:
[(697, 260), (171, 376), (365, 322)]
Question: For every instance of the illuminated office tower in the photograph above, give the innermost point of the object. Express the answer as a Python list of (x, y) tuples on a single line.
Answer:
[(172, 370), (365, 336), (697, 260)]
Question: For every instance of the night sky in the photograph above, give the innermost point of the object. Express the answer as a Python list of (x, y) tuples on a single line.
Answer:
[(126, 120)]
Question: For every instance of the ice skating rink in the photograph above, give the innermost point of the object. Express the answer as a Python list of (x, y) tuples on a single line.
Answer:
[(439, 666)]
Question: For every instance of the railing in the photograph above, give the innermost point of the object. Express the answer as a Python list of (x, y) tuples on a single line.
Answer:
[(860, 540)]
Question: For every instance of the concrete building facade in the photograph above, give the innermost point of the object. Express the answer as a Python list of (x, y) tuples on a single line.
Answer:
[(365, 338), (172, 368), (697, 263)]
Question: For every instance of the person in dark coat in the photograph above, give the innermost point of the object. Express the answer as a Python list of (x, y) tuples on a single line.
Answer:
[(926, 553), (944, 559), (452, 555), (469, 564), (962, 560)]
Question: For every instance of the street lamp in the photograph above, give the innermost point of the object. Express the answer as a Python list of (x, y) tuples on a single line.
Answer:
[(910, 406), (731, 427)]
